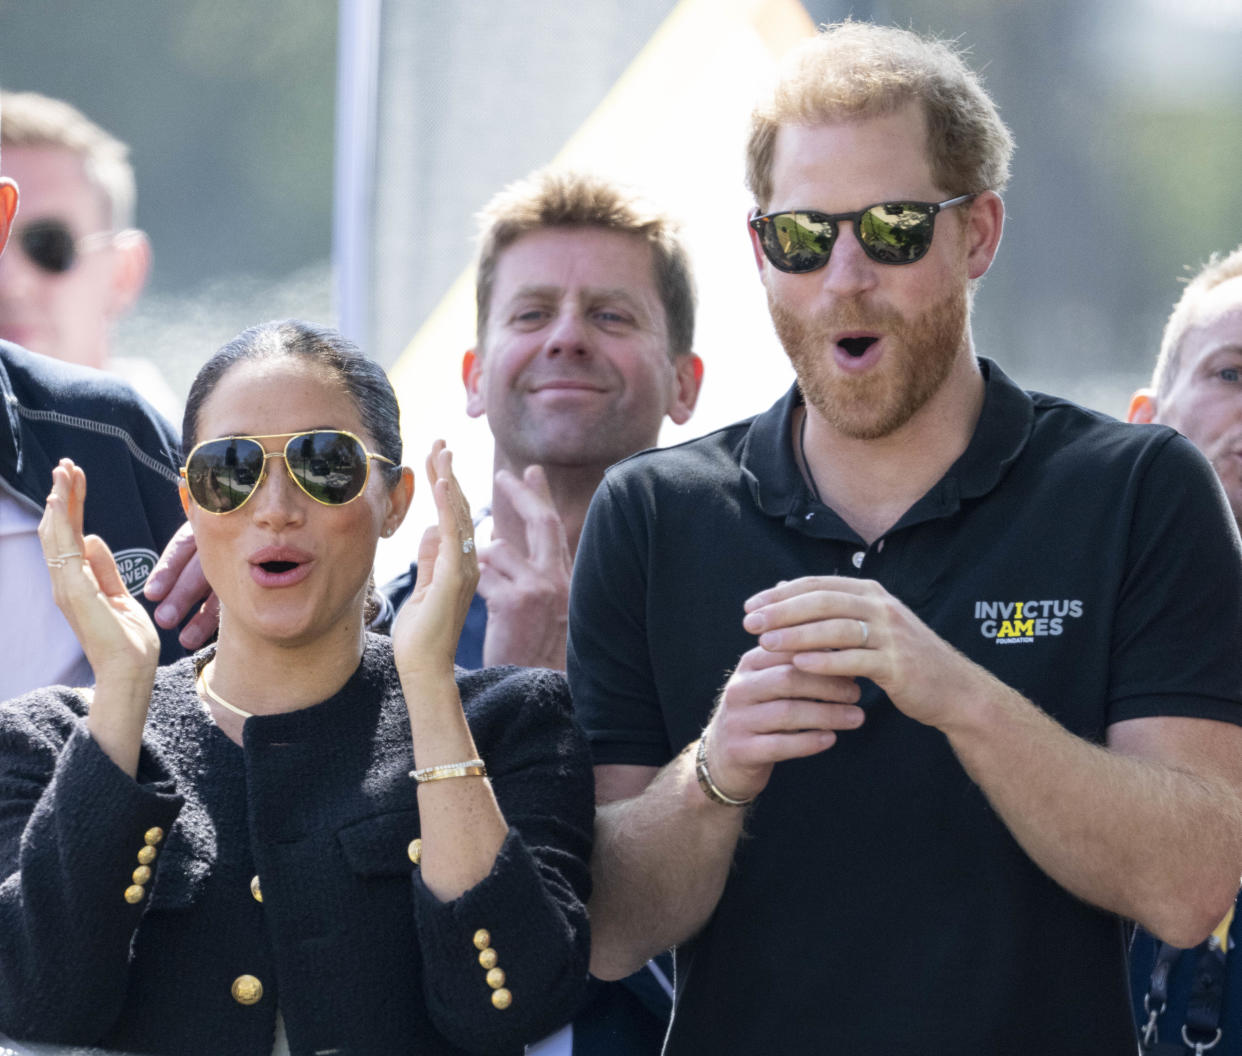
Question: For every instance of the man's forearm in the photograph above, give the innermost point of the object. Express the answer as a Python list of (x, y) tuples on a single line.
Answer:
[(660, 864), (1128, 828)]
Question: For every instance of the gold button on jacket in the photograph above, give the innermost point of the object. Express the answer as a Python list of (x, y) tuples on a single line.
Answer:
[(153, 835), (133, 895), (502, 999), (147, 855), (246, 990), (255, 889)]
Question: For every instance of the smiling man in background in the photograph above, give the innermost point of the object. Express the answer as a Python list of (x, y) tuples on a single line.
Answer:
[(585, 304)]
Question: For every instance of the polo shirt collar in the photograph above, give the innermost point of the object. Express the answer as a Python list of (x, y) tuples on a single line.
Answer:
[(777, 487)]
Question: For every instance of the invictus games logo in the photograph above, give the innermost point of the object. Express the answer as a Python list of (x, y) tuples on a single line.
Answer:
[(1012, 622), (134, 565)]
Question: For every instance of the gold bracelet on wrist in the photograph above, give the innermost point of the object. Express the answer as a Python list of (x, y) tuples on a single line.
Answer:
[(709, 787), (470, 768)]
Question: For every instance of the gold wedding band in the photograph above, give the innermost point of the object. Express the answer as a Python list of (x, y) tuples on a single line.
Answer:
[(59, 560)]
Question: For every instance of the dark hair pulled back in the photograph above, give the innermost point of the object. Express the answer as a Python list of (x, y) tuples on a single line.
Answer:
[(363, 379)]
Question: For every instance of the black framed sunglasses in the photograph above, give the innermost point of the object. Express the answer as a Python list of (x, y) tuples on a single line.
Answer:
[(331, 466), (800, 240), (53, 248)]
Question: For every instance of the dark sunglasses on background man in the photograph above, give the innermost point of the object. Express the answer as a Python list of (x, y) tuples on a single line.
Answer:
[(800, 240), (330, 465), (53, 248)]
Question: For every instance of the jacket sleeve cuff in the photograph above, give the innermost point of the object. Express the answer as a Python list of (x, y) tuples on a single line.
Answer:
[(96, 816), (506, 962), (86, 860)]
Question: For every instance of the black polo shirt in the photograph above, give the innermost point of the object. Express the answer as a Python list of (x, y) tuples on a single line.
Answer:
[(879, 904)]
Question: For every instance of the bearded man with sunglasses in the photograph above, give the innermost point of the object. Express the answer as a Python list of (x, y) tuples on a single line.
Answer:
[(53, 410), (981, 690), (76, 263)]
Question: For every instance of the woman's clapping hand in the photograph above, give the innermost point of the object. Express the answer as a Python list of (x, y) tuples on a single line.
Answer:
[(426, 629)]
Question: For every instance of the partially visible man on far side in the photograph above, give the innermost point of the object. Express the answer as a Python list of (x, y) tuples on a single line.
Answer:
[(1197, 384), (77, 263), (1197, 389), (50, 410), (981, 696)]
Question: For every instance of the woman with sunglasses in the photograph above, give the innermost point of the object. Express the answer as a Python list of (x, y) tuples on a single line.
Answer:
[(306, 838)]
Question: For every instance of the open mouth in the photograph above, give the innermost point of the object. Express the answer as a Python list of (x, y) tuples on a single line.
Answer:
[(856, 347), (275, 568)]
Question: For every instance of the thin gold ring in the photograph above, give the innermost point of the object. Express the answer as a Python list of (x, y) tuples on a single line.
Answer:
[(59, 560)]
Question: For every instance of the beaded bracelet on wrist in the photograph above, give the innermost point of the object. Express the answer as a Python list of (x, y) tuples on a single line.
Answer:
[(710, 789)]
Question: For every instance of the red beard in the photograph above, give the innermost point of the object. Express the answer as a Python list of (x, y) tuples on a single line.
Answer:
[(919, 356)]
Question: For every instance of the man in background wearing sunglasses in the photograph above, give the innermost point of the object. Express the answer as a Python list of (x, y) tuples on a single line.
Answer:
[(51, 410), (1196, 388), (979, 647), (76, 263)]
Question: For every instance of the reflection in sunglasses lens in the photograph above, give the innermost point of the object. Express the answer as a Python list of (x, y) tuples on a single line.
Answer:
[(800, 240), (223, 473), (896, 233), (330, 466)]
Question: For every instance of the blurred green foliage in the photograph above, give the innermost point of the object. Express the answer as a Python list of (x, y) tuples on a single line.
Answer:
[(1185, 197), (228, 106), (1125, 114)]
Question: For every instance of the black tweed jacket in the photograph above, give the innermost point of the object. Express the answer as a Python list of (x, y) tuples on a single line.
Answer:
[(315, 814)]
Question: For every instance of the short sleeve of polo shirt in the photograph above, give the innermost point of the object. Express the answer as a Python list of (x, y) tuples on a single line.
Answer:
[(1178, 619), (609, 663)]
